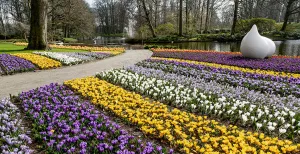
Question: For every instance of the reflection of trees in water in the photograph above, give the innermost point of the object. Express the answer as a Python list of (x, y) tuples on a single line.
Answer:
[(289, 47)]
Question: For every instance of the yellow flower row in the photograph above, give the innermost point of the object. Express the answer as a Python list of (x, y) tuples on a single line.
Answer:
[(114, 51), (236, 68), (187, 132), (41, 61)]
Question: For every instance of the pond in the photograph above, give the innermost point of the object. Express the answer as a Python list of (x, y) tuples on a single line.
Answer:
[(288, 47)]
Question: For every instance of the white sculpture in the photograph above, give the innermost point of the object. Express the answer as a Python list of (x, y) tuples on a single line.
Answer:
[(256, 46)]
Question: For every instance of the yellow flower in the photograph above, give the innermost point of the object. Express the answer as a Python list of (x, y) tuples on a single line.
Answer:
[(41, 61), (174, 126)]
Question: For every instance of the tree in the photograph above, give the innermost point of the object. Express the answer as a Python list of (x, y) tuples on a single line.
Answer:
[(38, 25), (291, 9), (180, 18), (207, 16), (147, 16), (235, 14)]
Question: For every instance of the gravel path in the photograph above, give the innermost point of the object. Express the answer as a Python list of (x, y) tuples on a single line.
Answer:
[(14, 84)]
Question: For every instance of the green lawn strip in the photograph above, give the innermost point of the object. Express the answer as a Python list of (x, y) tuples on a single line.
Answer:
[(9, 48)]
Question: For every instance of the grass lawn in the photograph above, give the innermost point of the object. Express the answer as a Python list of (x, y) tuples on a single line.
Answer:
[(6, 47)]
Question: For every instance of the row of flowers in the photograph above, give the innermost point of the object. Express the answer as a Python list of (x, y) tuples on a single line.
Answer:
[(187, 132), (212, 87), (64, 123), (262, 74), (23, 62), (62, 58), (40, 61), (115, 51), (274, 64), (272, 87), (211, 51), (12, 64), (13, 137), (233, 70), (98, 55), (268, 119)]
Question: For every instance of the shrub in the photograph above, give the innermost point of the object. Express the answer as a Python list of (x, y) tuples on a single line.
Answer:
[(263, 24), (70, 40), (165, 29)]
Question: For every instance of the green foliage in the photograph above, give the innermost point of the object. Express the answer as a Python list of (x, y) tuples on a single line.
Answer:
[(150, 46), (70, 40), (165, 29), (263, 24), (219, 37), (291, 28), (144, 32)]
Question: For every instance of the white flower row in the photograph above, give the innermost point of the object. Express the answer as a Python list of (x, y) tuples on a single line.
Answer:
[(12, 136), (66, 60), (264, 118)]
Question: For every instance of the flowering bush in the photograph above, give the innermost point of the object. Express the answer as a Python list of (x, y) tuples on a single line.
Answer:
[(41, 61), (64, 59), (12, 64), (187, 132), (266, 118), (67, 124), (274, 64), (13, 137)]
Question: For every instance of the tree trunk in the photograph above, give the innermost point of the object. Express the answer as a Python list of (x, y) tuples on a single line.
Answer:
[(201, 17), (148, 18), (38, 25), (236, 6), (287, 15), (186, 17), (207, 16), (180, 17)]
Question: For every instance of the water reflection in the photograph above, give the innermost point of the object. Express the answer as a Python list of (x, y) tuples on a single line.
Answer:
[(288, 47)]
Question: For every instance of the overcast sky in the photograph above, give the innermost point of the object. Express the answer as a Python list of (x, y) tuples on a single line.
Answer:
[(91, 2)]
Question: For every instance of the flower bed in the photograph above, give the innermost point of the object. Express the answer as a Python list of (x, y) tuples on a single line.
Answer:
[(82, 57), (12, 64), (290, 77), (270, 119), (66, 124), (274, 64), (187, 132), (13, 138), (265, 86), (97, 55), (114, 51), (41, 61), (64, 59), (212, 87)]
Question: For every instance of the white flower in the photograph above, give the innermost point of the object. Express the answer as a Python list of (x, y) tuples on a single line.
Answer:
[(292, 114), (281, 131), (271, 128), (245, 118), (258, 125)]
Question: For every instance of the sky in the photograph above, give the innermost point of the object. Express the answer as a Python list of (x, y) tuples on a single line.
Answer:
[(91, 2)]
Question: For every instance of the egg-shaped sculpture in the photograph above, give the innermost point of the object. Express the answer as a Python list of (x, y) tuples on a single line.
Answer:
[(256, 46), (272, 46)]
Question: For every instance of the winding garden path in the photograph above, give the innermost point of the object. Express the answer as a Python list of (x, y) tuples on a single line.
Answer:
[(14, 84)]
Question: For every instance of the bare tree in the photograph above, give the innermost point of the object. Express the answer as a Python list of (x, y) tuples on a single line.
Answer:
[(291, 9)]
